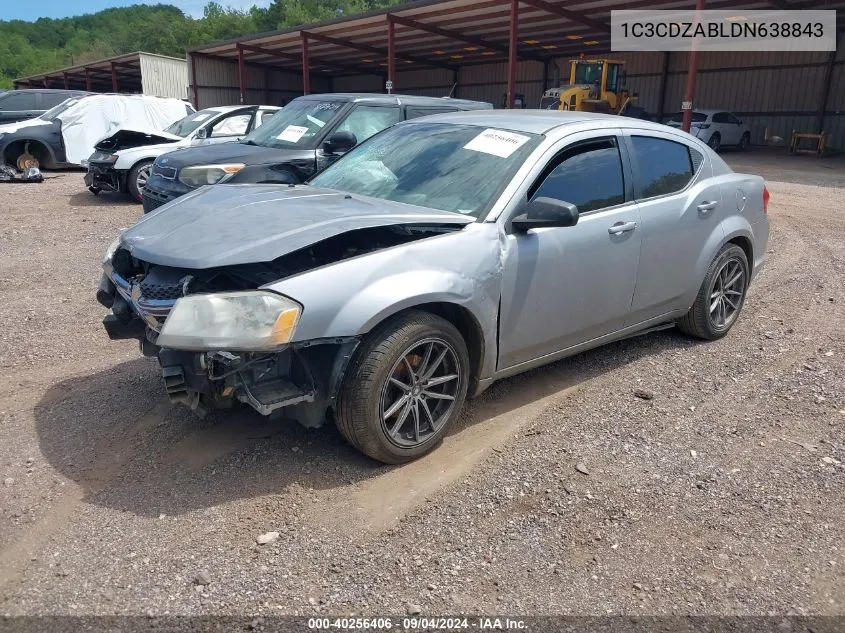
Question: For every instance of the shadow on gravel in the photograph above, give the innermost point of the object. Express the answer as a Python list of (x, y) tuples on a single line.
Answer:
[(87, 199), (115, 434)]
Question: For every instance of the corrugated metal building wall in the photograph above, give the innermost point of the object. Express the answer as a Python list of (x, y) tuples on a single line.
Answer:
[(773, 92), (218, 84), (164, 76)]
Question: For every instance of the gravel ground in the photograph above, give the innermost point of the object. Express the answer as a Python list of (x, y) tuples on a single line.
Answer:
[(561, 491)]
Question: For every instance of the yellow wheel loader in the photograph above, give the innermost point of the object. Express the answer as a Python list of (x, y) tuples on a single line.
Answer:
[(595, 85)]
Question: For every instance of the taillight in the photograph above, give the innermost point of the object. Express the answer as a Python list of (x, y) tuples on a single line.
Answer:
[(765, 199)]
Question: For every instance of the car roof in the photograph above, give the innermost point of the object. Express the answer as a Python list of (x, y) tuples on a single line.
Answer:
[(533, 121), (224, 109), (399, 99)]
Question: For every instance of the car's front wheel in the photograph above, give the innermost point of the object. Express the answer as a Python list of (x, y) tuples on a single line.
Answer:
[(137, 179), (404, 388), (721, 296), (715, 141), (744, 141)]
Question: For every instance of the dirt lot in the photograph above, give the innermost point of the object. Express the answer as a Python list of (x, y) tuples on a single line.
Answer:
[(722, 494)]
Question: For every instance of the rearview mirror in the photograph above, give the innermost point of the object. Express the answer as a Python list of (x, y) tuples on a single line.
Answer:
[(201, 133), (546, 212), (340, 142)]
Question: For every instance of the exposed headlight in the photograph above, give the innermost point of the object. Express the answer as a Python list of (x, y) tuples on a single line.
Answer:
[(102, 157), (110, 251), (250, 321), (208, 174)]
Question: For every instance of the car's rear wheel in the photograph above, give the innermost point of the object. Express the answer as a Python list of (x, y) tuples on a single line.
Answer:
[(404, 388), (715, 141), (137, 179), (721, 296), (744, 141)]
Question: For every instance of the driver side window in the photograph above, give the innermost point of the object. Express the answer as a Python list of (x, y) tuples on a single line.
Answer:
[(365, 121), (235, 125), (588, 175)]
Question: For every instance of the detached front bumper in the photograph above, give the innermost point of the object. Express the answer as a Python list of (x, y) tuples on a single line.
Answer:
[(305, 375), (104, 177)]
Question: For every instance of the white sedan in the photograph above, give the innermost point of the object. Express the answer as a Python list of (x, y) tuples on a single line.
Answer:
[(716, 128)]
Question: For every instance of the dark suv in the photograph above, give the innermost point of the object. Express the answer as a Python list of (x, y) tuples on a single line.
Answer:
[(306, 136), (20, 105)]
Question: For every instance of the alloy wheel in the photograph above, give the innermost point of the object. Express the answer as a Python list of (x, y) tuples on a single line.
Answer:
[(726, 294), (420, 391), (143, 177)]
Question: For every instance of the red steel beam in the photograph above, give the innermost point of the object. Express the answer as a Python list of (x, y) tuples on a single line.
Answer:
[(306, 68), (241, 72), (692, 71), (87, 79), (67, 85), (194, 86), (366, 48), (574, 16), (358, 70), (114, 86), (391, 52), (514, 26), (460, 37)]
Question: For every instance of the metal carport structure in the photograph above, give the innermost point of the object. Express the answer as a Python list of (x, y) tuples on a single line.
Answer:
[(147, 73), (488, 48)]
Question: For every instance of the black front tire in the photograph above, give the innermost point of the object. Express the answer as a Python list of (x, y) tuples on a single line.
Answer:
[(132, 179), (744, 141), (715, 141), (699, 321), (359, 409)]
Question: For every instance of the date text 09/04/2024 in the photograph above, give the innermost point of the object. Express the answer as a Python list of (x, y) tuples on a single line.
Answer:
[(418, 624)]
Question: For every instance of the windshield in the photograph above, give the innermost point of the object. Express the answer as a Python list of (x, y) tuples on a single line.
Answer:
[(442, 166), (53, 113), (185, 126), (697, 117), (296, 125), (587, 73)]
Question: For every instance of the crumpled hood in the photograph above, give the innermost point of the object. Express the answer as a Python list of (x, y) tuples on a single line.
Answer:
[(225, 225), (125, 138)]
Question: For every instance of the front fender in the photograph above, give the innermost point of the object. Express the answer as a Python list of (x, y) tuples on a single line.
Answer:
[(351, 297)]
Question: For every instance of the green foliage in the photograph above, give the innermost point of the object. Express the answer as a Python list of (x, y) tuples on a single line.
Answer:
[(30, 48)]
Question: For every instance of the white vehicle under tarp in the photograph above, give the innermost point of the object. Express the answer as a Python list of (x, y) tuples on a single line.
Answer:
[(98, 116)]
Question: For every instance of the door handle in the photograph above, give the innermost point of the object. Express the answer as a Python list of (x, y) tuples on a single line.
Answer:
[(704, 207), (622, 227)]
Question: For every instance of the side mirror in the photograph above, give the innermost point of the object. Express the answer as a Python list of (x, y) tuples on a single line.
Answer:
[(202, 133), (546, 212), (340, 142)]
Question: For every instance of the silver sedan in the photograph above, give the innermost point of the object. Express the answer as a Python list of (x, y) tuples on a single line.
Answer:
[(441, 255)]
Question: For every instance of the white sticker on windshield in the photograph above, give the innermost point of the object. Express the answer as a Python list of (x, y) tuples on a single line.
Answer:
[(497, 142), (292, 133), (200, 117), (314, 120)]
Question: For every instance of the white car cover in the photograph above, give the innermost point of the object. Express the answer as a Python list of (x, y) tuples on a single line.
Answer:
[(98, 116)]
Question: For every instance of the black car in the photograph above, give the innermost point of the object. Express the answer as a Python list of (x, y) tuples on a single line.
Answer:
[(306, 136), (20, 105)]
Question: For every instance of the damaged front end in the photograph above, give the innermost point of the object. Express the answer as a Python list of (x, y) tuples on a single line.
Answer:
[(246, 355)]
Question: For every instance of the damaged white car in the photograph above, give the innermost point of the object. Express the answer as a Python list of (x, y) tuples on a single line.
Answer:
[(122, 162), (439, 256)]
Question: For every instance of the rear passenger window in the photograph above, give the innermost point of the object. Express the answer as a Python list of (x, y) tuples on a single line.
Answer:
[(589, 176), (664, 166)]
